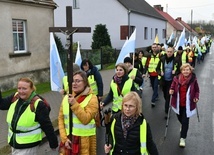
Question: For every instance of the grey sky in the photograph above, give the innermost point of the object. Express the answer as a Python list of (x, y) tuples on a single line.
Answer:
[(201, 9)]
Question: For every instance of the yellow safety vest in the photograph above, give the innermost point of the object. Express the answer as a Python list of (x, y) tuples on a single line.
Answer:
[(143, 135), (65, 84), (30, 131), (78, 129), (93, 84), (134, 73), (117, 99), (143, 60), (183, 57), (153, 63)]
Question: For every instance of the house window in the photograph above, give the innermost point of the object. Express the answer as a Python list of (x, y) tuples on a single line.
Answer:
[(124, 31), (145, 33), (19, 36), (76, 4), (156, 31), (151, 33), (164, 33)]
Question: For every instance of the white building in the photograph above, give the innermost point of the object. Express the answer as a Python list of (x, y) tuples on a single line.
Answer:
[(118, 16)]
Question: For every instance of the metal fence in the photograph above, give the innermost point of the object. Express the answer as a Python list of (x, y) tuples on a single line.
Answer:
[(101, 56)]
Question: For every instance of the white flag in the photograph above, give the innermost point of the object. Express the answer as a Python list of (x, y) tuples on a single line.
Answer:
[(78, 59), (181, 40), (56, 71), (128, 47)]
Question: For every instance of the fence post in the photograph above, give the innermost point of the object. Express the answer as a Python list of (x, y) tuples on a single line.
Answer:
[(101, 58)]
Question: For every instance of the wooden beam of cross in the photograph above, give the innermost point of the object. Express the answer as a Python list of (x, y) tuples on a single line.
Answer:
[(69, 30)]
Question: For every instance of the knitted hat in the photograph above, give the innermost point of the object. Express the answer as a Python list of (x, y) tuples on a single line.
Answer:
[(127, 59), (180, 48)]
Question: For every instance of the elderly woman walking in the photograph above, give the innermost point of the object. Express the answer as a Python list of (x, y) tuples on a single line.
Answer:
[(185, 94)]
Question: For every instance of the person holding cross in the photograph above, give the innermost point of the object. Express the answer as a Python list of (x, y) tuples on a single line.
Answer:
[(84, 106)]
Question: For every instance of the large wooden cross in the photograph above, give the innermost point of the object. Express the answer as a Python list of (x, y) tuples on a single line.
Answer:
[(69, 30)]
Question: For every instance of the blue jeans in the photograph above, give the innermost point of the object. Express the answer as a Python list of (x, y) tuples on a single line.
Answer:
[(154, 83)]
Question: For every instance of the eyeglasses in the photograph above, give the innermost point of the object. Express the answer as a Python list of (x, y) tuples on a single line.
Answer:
[(77, 81), (129, 106)]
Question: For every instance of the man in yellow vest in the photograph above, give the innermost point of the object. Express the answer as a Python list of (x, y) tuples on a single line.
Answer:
[(180, 58), (151, 65)]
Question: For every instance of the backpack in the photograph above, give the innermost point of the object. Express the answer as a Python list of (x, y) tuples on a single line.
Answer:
[(32, 102)]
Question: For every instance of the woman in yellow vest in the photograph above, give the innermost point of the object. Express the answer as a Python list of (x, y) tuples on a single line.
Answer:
[(120, 85), (84, 106), (128, 132), (27, 118), (94, 78)]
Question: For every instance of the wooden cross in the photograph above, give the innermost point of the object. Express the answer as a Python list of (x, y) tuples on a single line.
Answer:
[(69, 30)]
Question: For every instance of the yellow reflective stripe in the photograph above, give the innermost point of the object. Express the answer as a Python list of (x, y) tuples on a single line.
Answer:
[(37, 131)]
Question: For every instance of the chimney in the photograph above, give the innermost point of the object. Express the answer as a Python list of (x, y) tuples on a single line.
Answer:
[(158, 7), (179, 18)]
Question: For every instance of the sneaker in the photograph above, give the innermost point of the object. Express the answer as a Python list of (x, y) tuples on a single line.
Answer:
[(153, 104), (182, 142)]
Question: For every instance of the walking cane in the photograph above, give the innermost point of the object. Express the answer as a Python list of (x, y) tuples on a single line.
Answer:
[(197, 113), (167, 121)]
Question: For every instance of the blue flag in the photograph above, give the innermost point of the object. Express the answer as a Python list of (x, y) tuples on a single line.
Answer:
[(78, 58), (56, 71), (128, 47)]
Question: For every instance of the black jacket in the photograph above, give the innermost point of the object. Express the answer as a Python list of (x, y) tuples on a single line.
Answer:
[(42, 116), (131, 145)]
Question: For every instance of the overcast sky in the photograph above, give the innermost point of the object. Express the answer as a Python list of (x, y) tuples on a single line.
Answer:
[(201, 9)]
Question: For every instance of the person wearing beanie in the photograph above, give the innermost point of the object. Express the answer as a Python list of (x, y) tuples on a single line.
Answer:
[(180, 58), (134, 74), (120, 85)]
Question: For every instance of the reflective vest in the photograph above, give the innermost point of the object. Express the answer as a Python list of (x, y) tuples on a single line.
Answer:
[(65, 84), (153, 63), (190, 56), (203, 49), (117, 99), (78, 129), (28, 131), (183, 57), (134, 73), (143, 60), (143, 135), (93, 84)]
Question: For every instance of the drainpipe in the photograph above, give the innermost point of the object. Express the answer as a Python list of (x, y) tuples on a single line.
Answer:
[(129, 12)]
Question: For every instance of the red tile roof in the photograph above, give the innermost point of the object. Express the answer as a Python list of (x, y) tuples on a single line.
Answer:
[(185, 24), (171, 20)]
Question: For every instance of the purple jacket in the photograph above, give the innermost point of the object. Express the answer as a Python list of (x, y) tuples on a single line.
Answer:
[(191, 94)]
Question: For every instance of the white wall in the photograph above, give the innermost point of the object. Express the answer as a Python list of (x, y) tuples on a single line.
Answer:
[(113, 15)]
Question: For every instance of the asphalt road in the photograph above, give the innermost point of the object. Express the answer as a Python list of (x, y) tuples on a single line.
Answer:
[(200, 138)]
